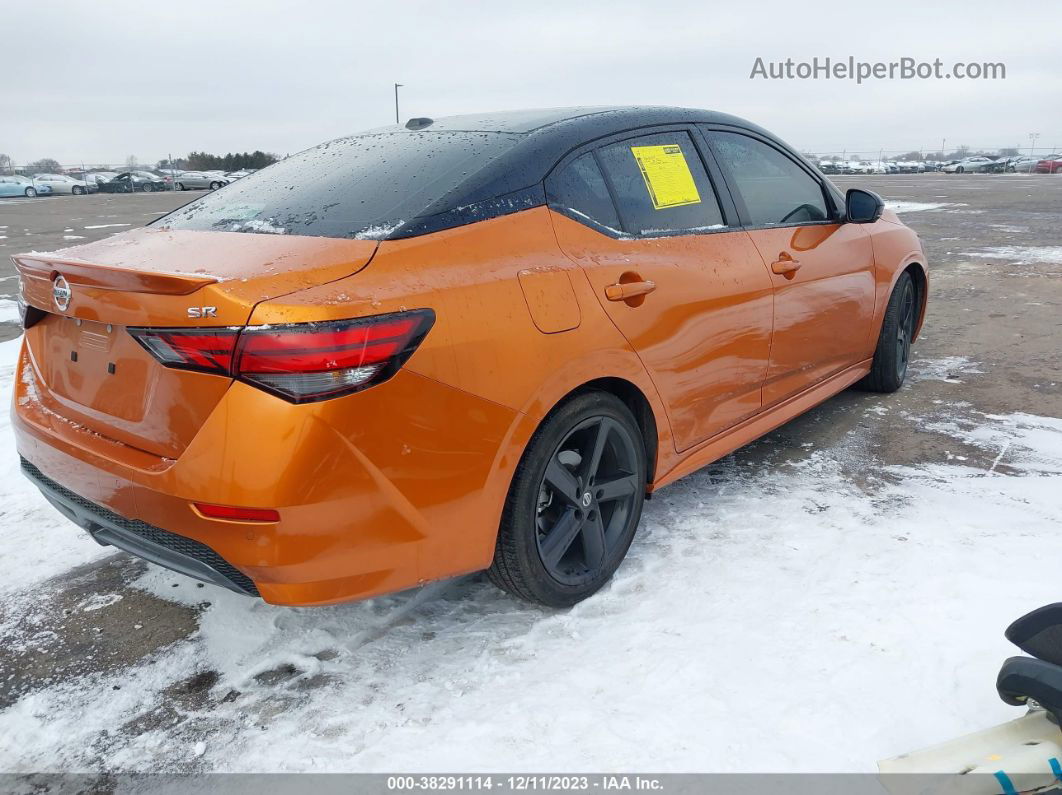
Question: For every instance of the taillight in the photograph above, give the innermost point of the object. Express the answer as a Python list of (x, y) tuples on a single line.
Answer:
[(300, 362), (205, 350)]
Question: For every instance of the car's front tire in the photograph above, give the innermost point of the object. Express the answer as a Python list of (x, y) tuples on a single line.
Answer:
[(148, 188), (574, 503), (893, 353), (215, 185), (31, 193), (77, 190)]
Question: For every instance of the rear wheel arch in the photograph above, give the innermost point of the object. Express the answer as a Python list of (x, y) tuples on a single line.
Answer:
[(921, 283), (634, 399)]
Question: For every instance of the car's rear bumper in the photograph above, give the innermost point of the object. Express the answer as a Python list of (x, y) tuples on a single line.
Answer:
[(167, 549), (378, 491)]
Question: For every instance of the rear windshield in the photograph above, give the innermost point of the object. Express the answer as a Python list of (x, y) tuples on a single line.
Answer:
[(361, 187)]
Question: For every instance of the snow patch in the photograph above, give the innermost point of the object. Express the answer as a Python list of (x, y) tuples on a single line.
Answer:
[(918, 207), (947, 368), (98, 601), (257, 225), (1020, 255), (377, 231), (9, 311)]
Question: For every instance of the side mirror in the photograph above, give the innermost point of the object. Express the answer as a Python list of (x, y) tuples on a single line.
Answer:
[(862, 206)]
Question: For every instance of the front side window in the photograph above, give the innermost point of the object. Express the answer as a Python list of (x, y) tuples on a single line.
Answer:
[(579, 191), (775, 189), (660, 185)]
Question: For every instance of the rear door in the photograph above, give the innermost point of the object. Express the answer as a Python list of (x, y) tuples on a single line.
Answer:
[(822, 269), (640, 213)]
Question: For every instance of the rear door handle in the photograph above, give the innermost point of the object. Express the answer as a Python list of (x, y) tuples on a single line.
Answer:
[(626, 290), (785, 265)]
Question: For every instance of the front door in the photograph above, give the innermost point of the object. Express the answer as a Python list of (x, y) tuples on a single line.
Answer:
[(689, 292), (822, 269)]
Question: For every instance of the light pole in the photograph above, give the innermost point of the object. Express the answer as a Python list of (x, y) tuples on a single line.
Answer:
[(397, 86)]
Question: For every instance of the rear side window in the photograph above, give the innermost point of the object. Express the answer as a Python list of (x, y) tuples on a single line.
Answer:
[(579, 190), (660, 185), (363, 187), (775, 189)]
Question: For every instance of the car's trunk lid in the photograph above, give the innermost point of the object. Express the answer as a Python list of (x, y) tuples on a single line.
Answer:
[(89, 371)]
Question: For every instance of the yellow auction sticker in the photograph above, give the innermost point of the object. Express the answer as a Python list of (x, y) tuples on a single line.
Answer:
[(667, 175)]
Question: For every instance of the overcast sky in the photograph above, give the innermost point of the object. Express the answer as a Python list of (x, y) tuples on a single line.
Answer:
[(95, 82)]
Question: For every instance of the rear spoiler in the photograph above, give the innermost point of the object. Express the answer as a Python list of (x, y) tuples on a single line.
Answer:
[(43, 267)]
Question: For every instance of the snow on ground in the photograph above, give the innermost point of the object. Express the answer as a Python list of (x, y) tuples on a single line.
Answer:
[(9, 311), (768, 618), (916, 207), (1019, 255), (945, 368)]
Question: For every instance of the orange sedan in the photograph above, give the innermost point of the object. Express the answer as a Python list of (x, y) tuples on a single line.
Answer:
[(462, 344)]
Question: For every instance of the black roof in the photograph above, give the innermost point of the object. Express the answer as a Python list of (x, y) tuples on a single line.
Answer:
[(559, 121), (547, 135), (427, 175)]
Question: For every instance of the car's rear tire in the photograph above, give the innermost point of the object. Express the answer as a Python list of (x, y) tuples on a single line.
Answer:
[(215, 185), (893, 353), (180, 186), (148, 188), (959, 170), (31, 193), (574, 503)]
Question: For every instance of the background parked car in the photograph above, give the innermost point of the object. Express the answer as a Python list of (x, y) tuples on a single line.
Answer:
[(18, 185), (96, 177), (232, 176), (130, 181), (197, 180), (1022, 164), (969, 165), (1052, 164), (61, 183)]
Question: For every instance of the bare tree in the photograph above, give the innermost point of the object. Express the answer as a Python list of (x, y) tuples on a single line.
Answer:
[(45, 165), (5, 163)]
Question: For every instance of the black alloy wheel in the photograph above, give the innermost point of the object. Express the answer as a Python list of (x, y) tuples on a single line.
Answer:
[(586, 499), (905, 329), (574, 503)]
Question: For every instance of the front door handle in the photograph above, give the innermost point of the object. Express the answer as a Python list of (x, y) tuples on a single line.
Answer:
[(785, 265), (624, 291)]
